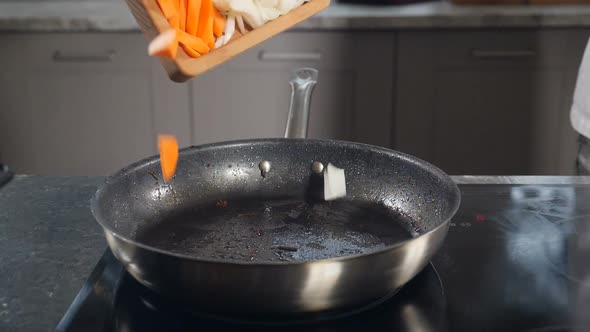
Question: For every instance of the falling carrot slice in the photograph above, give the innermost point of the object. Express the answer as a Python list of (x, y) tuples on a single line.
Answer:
[(192, 16), (168, 147), (193, 42), (218, 23), (164, 45)]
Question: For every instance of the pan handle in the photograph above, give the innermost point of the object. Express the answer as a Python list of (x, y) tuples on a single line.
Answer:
[(302, 82)]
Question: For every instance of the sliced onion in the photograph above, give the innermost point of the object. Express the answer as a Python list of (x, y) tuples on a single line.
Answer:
[(241, 25), (220, 41), (230, 29), (256, 13)]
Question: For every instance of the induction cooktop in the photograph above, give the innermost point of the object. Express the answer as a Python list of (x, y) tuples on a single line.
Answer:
[(517, 258)]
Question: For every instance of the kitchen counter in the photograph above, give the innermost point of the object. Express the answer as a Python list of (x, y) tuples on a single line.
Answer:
[(50, 243), (115, 16)]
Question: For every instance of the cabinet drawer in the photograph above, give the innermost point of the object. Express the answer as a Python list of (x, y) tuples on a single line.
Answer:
[(101, 51), (503, 48), (327, 50)]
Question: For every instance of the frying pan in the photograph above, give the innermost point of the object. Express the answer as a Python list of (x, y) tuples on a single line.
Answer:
[(243, 228)]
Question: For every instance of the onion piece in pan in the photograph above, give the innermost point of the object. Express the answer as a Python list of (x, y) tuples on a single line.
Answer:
[(334, 183)]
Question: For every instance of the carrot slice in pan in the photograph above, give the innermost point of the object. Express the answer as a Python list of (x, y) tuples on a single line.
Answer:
[(191, 41), (164, 45), (168, 146), (218, 23), (192, 16)]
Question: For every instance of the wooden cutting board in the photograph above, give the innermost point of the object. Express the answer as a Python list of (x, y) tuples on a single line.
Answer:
[(151, 21)]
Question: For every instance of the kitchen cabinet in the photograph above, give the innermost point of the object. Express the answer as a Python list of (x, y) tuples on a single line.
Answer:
[(469, 101), (85, 104), (248, 97), (15, 118), (488, 102)]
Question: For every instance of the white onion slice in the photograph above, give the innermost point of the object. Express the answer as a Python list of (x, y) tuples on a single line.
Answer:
[(219, 42), (334, 183), (255, 13), (230, 29), (241, 25)]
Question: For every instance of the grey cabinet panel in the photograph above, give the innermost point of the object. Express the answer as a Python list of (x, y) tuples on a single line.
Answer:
[(486, 125), (90, 115), (15, 117), (86, 104), (249, 96), (171, 105), (505, 48), (88, 124), (502, 111)]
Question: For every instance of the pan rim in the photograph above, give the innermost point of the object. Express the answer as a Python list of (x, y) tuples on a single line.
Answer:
[(237, 143)]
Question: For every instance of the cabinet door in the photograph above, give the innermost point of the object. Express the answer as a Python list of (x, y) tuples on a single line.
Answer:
[(483, 102), (15, 117), (88, 104), (248, 97)]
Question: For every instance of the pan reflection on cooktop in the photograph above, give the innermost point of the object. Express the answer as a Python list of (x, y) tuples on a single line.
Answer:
[(418, 306)]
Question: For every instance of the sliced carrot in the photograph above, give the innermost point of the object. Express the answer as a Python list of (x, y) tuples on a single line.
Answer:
[(174, 22), (168, 8), (192, 16), (193, 42), (190, 52), (182, 14), (218, 23), (164, 45), (208, 36), (204, 13), (168, 146)]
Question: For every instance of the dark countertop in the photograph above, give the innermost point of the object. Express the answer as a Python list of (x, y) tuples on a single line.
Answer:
[(49, 243)]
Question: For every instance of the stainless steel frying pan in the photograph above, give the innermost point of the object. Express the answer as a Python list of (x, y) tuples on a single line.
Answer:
[(243, 229)]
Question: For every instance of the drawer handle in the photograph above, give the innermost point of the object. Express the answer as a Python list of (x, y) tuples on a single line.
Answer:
[(289, 56), (107, 56), (503, 54)]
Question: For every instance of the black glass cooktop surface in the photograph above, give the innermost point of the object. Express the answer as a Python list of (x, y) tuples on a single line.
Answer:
[(517, 258)]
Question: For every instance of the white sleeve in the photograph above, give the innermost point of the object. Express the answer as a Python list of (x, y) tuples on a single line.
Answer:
[(580, 112)]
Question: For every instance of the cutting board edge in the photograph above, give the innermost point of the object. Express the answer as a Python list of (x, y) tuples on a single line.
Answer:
[(150, 19)]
